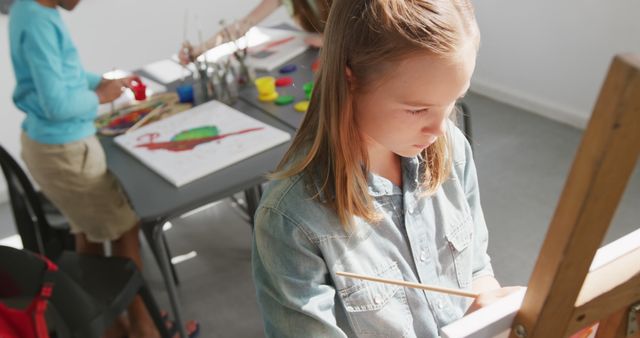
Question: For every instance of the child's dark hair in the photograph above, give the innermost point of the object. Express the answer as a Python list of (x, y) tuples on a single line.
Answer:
[(311, 20)]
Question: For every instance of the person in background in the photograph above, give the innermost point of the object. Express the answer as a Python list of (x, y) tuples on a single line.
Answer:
[(60, 101), (379, 182), (311, 15)]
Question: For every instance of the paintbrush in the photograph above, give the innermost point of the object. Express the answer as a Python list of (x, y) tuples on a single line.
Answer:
[(427, 287), (147, 117), (113, 74)]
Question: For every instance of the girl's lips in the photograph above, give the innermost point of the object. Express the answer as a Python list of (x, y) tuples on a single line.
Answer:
[(423, 146)]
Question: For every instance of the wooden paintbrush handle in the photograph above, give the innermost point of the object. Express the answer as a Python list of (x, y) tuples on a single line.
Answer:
[(427, 287)]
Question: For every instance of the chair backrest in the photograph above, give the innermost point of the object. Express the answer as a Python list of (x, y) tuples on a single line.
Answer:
[(33, 228), (21, 277), (20, 274)]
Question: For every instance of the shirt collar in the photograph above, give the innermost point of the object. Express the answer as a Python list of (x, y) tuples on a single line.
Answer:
[(411, 168)]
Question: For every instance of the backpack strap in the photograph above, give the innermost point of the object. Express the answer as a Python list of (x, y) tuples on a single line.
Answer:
[(40, 303)]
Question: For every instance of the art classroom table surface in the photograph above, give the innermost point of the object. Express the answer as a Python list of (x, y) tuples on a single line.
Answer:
[(286, 114), (154, 199)]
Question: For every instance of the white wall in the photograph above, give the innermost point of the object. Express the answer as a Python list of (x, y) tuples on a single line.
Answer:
[(124, 34), (550, 56), (9, 117)]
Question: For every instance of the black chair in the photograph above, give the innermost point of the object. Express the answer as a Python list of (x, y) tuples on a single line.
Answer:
[(463, 116), (32, 210), (42, 228), (89, 292)]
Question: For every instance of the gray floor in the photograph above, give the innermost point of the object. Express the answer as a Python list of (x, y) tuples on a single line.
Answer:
[(522, 161)]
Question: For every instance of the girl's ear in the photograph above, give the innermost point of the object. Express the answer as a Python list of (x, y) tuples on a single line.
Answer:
[(350, 78)]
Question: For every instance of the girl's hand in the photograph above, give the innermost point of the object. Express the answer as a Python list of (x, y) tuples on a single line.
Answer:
[(188, 53), (492, 296)]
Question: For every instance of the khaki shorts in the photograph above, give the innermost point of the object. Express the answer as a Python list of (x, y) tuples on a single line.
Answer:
[(75, 178)]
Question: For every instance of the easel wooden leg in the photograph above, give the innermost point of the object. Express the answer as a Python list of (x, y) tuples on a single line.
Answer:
[(616, 325)]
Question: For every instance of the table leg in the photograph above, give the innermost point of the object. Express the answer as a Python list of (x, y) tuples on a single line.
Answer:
[(173, 267), (466, 118), (165, 268), (148, 235), (253, 196)]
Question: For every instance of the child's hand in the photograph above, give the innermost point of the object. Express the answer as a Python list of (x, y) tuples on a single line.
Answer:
[(109, 90), (187, 53), (492, 296), (126, 81)]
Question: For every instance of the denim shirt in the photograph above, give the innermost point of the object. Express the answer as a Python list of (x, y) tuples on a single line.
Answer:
[(299, 245)]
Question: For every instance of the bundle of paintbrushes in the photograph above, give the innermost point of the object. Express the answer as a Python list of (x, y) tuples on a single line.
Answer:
[(226, 81), (220, 80), (136, 115), (236, 32), (203, 69)]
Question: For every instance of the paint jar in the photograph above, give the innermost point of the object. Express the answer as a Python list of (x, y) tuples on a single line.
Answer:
[(266, 86), (245, 73), (226, 85), (185, 93), (139, 89)]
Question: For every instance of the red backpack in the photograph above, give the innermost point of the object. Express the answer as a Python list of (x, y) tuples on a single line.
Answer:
[(30, 322)]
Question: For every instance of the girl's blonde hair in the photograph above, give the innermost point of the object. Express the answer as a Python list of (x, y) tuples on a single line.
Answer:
[(367, 36)]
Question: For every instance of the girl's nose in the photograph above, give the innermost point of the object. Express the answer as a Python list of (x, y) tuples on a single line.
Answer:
[(435, 128)]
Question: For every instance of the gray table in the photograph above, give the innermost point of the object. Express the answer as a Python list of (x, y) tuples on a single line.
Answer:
[(156, 201), (153, 198), (302, 75)]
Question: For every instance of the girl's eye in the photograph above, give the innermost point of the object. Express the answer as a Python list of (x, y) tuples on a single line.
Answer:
[(416, 112)]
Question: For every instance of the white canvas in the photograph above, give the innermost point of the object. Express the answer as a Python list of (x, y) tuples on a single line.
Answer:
[(266, 57), (241, 137), (494, 321), (167, 71)]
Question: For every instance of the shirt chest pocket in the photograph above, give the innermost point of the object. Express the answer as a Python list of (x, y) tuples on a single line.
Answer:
[(459, 241), (377, 309)]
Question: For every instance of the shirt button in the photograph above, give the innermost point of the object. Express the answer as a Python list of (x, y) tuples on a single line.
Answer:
[(439, 305), (423, 256), (377, 299)]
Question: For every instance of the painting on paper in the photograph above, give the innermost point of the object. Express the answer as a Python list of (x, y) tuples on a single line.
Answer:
[(199, 141)]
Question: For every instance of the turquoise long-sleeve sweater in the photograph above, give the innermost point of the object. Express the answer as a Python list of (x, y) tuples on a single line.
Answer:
[(52, 88)]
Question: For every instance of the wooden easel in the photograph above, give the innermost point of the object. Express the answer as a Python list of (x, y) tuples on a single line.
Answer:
[(563, 295)]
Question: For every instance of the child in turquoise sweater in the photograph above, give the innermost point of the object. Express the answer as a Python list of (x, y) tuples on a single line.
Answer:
[(60, 101)]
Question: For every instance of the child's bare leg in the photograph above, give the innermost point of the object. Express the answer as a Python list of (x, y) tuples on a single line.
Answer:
[(85, 247), (119, 328)]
